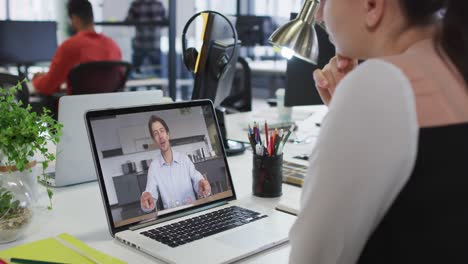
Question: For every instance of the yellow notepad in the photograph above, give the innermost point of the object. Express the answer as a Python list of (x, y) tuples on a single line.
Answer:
[(50, 249)]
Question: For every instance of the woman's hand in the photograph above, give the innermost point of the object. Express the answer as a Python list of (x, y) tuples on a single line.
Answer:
[(328, 78)]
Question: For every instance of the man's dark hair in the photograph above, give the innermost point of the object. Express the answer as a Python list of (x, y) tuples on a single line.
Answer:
[(81, 9), (153, 119)]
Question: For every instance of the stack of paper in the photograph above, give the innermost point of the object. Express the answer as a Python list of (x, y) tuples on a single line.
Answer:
[(62, 249)]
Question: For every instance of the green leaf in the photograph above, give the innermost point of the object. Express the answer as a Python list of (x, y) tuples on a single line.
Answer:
[(23, 132), (50, 193)]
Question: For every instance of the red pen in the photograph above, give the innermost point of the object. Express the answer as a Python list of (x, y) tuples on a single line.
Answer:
[(273, 143), (266, 133), (270, 146)]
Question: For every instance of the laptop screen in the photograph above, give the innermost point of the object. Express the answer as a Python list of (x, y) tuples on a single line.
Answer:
[(154, 161)]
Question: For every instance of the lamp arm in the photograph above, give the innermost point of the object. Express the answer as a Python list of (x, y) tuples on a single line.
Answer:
[(309, 10)]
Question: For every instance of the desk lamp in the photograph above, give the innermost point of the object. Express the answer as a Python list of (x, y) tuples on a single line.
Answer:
[(298, 37)]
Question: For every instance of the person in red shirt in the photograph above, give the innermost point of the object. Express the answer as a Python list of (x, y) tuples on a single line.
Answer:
[(85, 46)]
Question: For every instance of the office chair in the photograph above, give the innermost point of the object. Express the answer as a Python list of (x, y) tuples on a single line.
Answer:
[(240, 98), (9, 80), (99, 77)]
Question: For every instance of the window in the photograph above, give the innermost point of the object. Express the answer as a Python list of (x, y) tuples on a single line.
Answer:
[(224, 7), (276, 8), (41, 9), (33, 10), (3, 9)]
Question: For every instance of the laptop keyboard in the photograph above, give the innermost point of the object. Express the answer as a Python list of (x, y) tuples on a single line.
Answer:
[(195, 228)]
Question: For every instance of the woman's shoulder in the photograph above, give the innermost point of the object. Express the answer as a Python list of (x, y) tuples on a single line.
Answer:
[(372, 85), (375, 73)]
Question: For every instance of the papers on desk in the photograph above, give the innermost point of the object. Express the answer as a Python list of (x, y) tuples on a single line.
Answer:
[(271, 114), (62, 249), (290, 203)]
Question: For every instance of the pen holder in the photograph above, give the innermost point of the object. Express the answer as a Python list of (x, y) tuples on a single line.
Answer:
[(267, 175)]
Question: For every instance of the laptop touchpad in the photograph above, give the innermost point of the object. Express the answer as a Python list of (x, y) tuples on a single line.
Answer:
[(248, 238)]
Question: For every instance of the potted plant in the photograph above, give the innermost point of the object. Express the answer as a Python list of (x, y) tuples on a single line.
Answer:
[(23, 134)]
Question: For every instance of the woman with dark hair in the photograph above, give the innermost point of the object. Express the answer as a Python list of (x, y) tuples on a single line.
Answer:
[(388, 177)]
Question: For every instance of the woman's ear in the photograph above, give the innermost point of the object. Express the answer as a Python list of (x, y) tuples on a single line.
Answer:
[(373, 10)]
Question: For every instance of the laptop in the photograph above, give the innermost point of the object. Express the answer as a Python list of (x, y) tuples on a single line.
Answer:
[(212, 228), (74, 163)]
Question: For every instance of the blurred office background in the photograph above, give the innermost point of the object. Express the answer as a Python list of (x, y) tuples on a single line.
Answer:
[(256, 20)]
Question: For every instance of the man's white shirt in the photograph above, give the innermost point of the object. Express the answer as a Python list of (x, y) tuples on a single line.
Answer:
[(177, 182)]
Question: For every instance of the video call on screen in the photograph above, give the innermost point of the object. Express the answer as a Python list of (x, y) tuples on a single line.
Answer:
[(131, 158)]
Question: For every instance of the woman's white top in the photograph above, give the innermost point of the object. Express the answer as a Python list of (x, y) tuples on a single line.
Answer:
[(363, 157)]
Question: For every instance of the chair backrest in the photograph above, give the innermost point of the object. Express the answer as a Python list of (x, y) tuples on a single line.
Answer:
[(99, 77), (240, 98), (9, 80)]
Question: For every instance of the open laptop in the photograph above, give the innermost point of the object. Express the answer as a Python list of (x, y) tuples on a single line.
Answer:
[(74, 163), (213, 229)]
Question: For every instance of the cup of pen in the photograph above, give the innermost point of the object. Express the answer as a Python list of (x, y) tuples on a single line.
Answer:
[(267, 172)]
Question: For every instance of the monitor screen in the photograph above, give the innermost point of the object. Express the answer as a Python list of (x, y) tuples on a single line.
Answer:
[(27, 42), (145, 137), (217, 41), (300, 84), (254, 30)]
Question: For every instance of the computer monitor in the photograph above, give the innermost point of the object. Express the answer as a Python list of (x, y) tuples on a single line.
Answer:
[(300, 84), (27, 42), (218, 41), (254, 30), (207, 83)]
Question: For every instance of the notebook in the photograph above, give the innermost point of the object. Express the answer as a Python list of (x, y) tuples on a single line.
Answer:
[(74, 163), (59, 249), (290, 203), (179, 210), (294, 173)]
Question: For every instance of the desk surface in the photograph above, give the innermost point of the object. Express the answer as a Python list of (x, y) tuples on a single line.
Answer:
[(135, 83), (78, 210), (268, 67), (305, 117)]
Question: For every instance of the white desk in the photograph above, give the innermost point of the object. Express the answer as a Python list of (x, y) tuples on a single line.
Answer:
[(78, 210), (164, 82), (305, 117), (157, 82), (268, 67)]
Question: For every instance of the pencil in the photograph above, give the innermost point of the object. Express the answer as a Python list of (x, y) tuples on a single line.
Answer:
[(274, 141), (287, 135), (32, 261), (278, 141), (251, 142)]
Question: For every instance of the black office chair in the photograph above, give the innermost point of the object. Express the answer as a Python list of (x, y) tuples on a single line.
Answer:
[(9, 80), (240, 98), (99, 77)]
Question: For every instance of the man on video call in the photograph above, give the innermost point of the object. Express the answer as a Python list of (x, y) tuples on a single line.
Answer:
[(170, 173)]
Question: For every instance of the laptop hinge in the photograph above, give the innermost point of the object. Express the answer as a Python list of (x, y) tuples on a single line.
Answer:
[(189, 212)]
